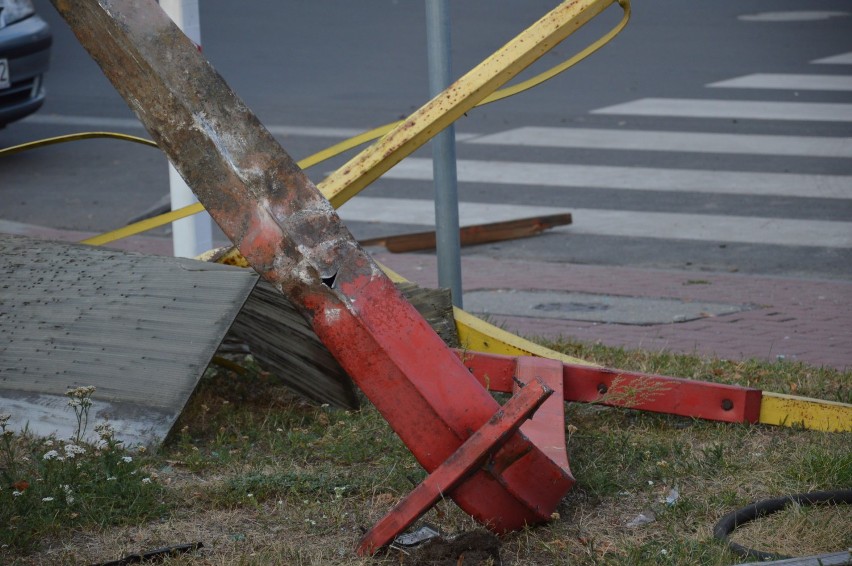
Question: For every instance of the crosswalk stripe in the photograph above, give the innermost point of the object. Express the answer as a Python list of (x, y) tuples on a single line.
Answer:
[(787, 82), (744, 109), (842, 59), (133, 123), (654, 140), (793, 16), (633, 178), (625, 223)]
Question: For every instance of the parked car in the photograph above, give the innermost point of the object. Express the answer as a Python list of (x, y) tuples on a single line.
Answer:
[(25, 42)]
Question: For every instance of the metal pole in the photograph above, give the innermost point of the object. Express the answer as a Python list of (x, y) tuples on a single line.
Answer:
[(193, 235), (444, 153)]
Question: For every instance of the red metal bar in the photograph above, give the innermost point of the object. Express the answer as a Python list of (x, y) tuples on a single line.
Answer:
[(457, 467), (646, 392), (659, 394), (547, 428), (293, 238)]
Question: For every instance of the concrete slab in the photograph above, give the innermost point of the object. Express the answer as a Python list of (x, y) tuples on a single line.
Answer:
[(141, 329)]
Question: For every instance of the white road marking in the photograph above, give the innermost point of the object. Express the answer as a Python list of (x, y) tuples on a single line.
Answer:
[(792, 16), (132, 123), (653, 140), (83, 121), (783, 81), (625, 223), (528, 174), (842, 59), (744, 109)]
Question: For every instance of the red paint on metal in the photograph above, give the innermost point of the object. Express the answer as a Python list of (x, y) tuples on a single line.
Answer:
[(547, 429), (421, 411), (293, 238), (457, 467), (660, 394), (646, 392)]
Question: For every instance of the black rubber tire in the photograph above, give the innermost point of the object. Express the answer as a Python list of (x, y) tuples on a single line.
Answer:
[(731, 521)]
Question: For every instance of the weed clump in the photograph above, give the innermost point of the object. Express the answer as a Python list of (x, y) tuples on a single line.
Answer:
[(50, 484)]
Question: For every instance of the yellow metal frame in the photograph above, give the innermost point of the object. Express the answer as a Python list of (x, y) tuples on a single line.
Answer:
[(789, 410), (459, 97)]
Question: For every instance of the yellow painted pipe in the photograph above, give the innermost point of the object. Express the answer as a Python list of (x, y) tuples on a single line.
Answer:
[(459, 97)]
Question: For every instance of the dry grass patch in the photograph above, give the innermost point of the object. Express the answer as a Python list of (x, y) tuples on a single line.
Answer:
[(261, 477)]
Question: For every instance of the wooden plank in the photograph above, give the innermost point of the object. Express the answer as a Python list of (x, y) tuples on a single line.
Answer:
[(284, 343), (473, 235)]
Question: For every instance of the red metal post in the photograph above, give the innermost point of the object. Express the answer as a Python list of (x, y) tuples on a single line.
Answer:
[(293, 238)]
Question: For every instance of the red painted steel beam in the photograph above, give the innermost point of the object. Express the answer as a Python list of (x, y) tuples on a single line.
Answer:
[(459, 466), (293, 238), (646, 392), (659, 394), (547, 428)]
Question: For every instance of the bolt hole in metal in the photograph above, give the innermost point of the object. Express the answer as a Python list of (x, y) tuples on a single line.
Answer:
[(602, 388), (329, 281), (727, 404)]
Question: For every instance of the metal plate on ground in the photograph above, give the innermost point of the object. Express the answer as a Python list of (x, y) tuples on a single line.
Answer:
[(592, 307), (141, 329)]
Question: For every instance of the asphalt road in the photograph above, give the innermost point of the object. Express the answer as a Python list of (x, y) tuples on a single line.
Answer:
[(707, 136)]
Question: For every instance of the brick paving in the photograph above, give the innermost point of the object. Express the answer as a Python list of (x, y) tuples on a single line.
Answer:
[(798, 319)]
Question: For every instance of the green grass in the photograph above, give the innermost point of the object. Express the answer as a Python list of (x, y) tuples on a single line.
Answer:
[(52, 485), (262, 477)]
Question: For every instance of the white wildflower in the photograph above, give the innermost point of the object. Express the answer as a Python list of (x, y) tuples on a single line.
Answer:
[(52, 455), (17, 493), (69, 497), (111, 478), (126, 459), (47, 499), (105, 431), (146, 480), (72, 450)]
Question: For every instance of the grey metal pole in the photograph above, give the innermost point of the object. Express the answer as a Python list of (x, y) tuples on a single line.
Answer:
[(444, 153)]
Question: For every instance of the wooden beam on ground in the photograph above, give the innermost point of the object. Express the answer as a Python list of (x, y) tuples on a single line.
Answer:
[(473, 235)]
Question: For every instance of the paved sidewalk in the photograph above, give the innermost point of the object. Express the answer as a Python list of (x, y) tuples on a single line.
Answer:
[(772, 318), (797, 319)]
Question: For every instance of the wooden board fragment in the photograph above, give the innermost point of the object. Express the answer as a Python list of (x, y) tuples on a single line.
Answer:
[(284, 343), (473, 235)]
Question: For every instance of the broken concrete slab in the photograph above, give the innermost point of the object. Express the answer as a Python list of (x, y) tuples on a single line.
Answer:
[(141, 329)]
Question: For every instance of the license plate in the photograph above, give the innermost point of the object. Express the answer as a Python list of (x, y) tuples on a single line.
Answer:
[(5, 80)]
